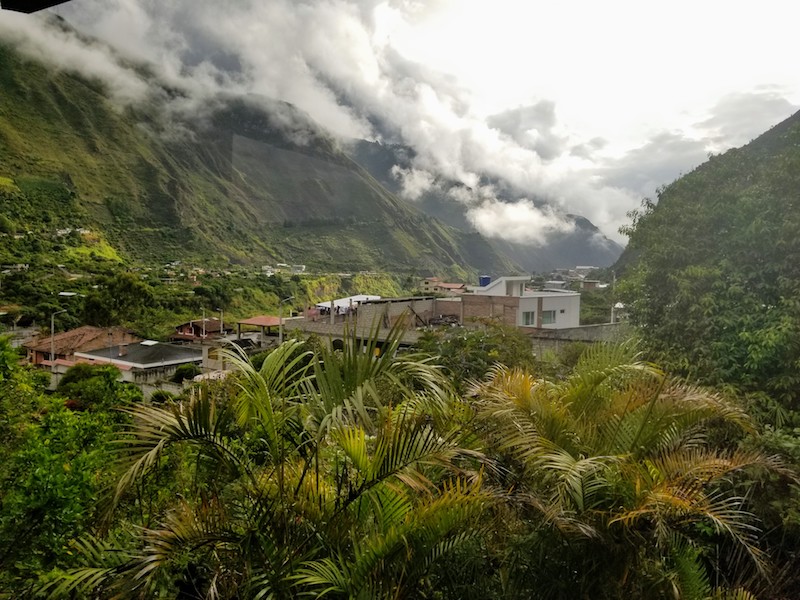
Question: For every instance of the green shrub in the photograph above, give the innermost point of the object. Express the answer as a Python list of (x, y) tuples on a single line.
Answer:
[(185, 372)]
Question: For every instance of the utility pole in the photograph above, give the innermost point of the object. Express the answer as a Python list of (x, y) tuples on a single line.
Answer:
[(280, 318), (53, 339)]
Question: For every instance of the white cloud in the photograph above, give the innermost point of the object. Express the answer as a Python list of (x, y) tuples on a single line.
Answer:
[(33, 37), (586, 106), (520, 221), (413, 182)]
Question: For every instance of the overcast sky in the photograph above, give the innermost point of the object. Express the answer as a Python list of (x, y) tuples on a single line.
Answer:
[(588, 105)]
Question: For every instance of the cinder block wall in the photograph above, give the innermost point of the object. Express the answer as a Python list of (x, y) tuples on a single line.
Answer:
[(503, 308)]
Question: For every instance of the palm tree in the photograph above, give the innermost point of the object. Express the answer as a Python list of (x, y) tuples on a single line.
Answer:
[(338, 473), (614, 476)]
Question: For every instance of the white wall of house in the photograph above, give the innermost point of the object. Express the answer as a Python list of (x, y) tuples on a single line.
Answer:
[(558, 310), (504, 286)]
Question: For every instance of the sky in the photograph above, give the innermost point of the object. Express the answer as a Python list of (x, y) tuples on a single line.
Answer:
[(587, 106)]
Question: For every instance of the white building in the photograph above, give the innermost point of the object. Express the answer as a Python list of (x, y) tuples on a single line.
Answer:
[(509, 299)]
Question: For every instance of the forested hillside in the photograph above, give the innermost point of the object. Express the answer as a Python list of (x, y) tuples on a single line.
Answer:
[(712, 270), (240, 180)]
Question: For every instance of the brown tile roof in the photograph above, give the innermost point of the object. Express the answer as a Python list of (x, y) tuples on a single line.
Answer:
[(261, 321), (82, 339)]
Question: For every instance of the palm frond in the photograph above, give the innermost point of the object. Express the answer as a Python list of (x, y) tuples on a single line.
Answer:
[(187, 528), (346, 382), (281, 378), (199, 422), (103, 566), (386, 560)]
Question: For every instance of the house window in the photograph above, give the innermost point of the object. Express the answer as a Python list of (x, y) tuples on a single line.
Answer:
[(529, 318), (548, 317)]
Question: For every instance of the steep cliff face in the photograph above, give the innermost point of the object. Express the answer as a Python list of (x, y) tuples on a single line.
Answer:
[(248, 180)]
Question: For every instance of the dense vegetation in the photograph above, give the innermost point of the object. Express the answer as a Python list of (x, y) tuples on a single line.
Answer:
[(712, 283), (465, 469), (358, 474), (714, 268)]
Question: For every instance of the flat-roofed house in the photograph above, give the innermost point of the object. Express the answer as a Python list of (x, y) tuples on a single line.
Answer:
[(509, 300), (146, 362)]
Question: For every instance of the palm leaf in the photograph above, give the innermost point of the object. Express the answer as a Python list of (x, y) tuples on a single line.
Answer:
[(199, 422)]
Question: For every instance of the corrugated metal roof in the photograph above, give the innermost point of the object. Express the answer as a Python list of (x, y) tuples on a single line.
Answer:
[(346, 302)]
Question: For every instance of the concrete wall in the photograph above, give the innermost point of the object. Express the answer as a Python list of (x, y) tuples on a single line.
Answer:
[(149, 389), (153, 375), (338, 330), (552, 340), (388, 313)]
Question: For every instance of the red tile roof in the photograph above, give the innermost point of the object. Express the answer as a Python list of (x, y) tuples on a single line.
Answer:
[(261, 321)]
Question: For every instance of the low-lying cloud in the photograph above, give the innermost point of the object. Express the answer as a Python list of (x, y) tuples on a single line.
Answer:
[(334, 59)]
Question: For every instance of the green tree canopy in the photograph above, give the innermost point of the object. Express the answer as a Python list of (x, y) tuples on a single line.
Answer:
[(713, 269)]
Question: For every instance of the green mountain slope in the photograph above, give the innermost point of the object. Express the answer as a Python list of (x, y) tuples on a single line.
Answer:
[(713, 269), (247, 181)]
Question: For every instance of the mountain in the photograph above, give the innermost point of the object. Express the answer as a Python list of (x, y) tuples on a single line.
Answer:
[(243, 180), (712, 269), (584, 245)]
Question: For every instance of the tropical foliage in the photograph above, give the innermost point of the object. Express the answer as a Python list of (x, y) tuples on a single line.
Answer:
[(468, 353), (616, 467), (356, 473), (308, 481)]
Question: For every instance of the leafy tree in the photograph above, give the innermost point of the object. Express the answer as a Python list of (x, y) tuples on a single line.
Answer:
[(96, 387), (53, 465), (469, 353), (119, 298), (50, 488), (596, 305), (215, 293), (185, 372)]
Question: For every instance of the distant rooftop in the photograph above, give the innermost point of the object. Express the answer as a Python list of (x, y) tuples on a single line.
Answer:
[(145, 355), (347, 302), (261, 321), (86, 338)]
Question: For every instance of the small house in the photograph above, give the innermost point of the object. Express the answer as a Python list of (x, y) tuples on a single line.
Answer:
[(64, 345), (146, 362)]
